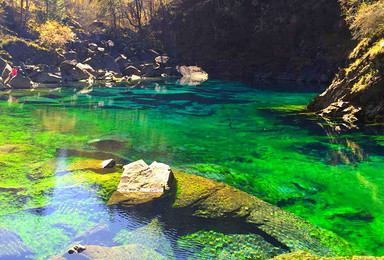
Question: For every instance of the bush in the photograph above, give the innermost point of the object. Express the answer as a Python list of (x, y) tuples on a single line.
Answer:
[(53, 34), (369, 20)]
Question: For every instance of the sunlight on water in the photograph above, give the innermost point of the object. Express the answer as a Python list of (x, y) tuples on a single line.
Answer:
[(258, 139)]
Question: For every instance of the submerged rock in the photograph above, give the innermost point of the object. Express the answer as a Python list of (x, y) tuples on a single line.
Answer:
[(132, 252), (229, 246), (12, 246), (97, 235), (151, 236), (206, 198), (141, 183)]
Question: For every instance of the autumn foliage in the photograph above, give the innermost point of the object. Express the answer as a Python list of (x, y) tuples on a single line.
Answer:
[(53, 34)]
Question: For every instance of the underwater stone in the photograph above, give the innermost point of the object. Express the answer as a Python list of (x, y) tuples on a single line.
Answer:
[(99, 234), (118, 252), (202, 197), (12, 246), (141, 183)]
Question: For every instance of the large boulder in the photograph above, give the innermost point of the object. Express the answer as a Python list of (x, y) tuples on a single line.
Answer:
[(12, 246), (150, 70), (141, 183), (73, 71), (192, 72), (45, 74), (20, 82), (110, 64), (105, 63), (202, 197)]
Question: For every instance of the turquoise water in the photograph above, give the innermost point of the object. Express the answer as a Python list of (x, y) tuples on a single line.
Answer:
[(256, 137)]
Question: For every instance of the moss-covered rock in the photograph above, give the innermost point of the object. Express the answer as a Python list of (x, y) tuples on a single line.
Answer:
[(216, 245), (209, 199)]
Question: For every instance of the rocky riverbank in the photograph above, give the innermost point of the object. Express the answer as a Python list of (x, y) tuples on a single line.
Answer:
[(89, 57)]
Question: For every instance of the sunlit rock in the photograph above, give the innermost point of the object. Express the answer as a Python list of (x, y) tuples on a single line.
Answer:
[(141, 183), (192, 75), (108, 164)]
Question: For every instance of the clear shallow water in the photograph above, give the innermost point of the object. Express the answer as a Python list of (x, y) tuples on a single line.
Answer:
[(254, 137)]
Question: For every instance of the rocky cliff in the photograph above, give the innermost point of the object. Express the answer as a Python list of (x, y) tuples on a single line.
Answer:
[(356, 93)]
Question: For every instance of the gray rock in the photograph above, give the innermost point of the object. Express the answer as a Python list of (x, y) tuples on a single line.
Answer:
[(111, 65), (71, 55), (20, 82), (131, 70), (6, 73), (45, 74), (73, 71), (141, 183), (48, 78), (150, 70), (122, 62)]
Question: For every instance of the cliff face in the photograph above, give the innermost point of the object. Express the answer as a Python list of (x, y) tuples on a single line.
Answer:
[(357, 92), (305, 40)]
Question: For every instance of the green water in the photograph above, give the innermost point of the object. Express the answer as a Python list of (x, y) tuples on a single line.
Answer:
[(257, 138)]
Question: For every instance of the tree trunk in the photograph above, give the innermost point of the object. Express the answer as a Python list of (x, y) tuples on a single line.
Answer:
[(47, 9), (21, 12)]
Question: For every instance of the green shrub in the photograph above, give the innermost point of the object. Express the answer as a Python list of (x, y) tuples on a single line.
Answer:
[(369, 20)]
